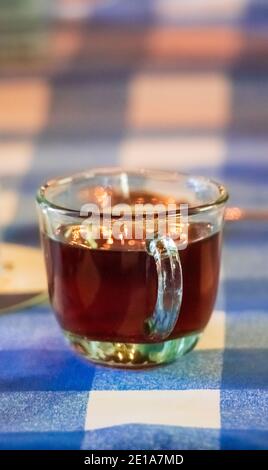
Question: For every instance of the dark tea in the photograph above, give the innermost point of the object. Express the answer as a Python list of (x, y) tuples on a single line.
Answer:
[(133, 259), (107, 291)]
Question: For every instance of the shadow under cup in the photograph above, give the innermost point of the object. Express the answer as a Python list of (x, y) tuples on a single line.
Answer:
[(125, 292)]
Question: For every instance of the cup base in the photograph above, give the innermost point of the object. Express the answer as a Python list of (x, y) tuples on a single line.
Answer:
[(132, 355)]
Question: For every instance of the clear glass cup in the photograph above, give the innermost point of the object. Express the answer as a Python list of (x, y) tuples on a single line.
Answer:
[(132, 260)]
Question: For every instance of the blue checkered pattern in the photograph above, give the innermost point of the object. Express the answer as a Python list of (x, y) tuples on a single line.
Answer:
[(71, 117)]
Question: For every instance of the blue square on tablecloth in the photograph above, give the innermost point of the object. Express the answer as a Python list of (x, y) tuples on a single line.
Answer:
[(42, 411), (247, 330), (246, 294), (196, 370), (238, 439), (54, 370), (41, 440), (35, 329), (151, 437), (244, 409), (69, 113), (245, 369), (65, 157)]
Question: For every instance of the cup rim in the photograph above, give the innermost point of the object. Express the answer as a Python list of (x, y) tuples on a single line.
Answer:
[(163, 175)]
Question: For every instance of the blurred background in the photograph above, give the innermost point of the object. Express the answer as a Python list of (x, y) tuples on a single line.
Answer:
[(176, 84)]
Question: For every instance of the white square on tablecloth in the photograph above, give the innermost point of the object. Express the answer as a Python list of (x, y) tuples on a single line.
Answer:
[(186, 408)]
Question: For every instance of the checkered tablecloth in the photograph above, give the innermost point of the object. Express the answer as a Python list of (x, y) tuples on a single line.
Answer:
[(148, 109)]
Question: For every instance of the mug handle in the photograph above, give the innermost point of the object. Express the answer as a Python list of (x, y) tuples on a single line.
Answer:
[(170, 286)]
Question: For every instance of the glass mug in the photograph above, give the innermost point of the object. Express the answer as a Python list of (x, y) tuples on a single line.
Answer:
[(123, 299)]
